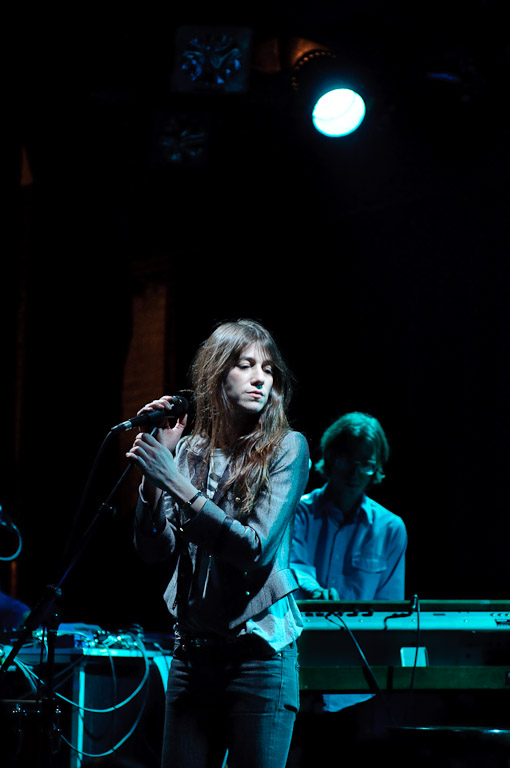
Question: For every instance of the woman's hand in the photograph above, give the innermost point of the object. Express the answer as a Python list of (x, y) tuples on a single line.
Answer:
[(168, 436), (154, 459), (152, 454)]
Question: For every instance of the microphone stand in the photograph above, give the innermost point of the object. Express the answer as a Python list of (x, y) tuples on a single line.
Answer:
[(45, 614)]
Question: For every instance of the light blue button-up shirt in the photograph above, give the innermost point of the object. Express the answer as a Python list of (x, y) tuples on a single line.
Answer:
[(363, 559)]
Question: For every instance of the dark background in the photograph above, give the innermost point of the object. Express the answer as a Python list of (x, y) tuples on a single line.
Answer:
[(379, 262)]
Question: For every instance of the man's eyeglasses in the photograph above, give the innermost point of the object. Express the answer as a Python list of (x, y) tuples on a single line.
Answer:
[(364, 467)]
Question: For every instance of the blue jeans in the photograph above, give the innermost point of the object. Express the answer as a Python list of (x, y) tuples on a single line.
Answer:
[(239, 698)]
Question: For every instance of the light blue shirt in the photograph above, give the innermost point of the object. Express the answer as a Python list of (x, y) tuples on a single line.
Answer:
[(363, 559)]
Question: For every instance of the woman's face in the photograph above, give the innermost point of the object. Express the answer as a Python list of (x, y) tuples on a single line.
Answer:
[(249, 383)]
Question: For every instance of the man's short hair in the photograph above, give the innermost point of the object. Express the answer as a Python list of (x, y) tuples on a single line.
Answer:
[(355, 424)]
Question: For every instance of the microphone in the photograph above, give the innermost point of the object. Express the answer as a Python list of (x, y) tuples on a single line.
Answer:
[(178, 407)]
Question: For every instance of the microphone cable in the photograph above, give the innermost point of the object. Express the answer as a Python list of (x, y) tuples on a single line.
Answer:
[(365, 664), (5, 521), (416, 607)]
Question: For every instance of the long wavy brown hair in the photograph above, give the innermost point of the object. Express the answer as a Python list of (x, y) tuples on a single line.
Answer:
[(250, 453)]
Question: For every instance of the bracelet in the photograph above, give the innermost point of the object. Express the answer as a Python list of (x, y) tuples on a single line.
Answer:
[(186, 507)]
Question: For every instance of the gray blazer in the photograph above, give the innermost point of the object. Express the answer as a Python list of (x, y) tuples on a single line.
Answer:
[(250, 560)]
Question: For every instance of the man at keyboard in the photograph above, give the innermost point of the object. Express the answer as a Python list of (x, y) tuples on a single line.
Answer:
[(346, 546)]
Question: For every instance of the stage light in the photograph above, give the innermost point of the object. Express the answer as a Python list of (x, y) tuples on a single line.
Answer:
[(338, 112), (179, 139), (213, 59), (329, 93)]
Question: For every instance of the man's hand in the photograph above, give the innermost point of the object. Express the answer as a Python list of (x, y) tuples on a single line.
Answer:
[(325, 594)]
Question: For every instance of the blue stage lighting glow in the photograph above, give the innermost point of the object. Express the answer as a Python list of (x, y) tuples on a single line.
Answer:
[(338, 112), (213, 59)]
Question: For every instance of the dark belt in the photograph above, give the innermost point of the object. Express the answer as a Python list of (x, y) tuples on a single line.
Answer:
[(233, 648), (196, 643)]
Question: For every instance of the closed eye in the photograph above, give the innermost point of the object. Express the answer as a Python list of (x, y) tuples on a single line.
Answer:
[(250, 362)]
